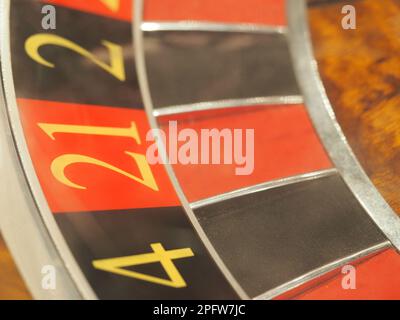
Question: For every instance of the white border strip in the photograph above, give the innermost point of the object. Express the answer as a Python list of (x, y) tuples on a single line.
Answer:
[(224, 104), (323, 116), (151, 26), (263, 186), (148, 103)]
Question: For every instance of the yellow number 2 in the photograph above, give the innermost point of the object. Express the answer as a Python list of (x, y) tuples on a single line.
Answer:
[(116, 66), (159, 254)]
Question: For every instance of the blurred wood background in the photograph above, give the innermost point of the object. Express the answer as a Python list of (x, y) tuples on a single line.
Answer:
[(11, 284), (361, 73)]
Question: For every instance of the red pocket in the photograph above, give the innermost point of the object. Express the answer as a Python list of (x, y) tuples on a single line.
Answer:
[(93, 158)]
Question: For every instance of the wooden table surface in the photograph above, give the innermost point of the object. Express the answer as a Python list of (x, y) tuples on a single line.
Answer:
[(361, 73), (11, 283)]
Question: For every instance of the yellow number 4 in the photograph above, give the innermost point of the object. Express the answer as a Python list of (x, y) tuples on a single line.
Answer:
[(159, 254)]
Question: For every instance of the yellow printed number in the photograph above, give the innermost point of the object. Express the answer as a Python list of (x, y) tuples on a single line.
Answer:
[(60, 163), (159, 254), (113, 5), (115, 68), (50, 129)]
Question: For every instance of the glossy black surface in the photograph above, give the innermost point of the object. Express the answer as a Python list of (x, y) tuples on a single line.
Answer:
[(270, 237), (193, 66), (110, 234), (74, 77)]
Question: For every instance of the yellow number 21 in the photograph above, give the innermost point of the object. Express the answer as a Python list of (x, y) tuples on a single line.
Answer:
[(60, 163)]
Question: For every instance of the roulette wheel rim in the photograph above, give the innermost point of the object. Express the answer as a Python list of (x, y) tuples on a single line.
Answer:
[(32, 216), (329, 129), (314, 96), (71, 281)]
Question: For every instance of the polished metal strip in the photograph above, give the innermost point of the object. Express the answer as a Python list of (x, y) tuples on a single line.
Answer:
[(262, 187), (148, 103), (223, 104), (328, 128), (321, 271), (27, 223), (151, 26)]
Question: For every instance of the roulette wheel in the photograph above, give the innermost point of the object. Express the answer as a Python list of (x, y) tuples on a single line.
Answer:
[(304, 203)]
